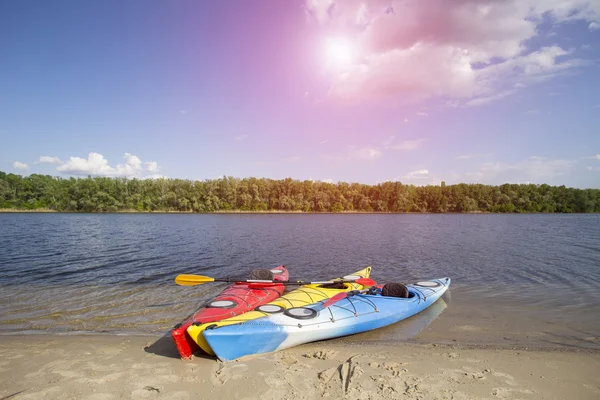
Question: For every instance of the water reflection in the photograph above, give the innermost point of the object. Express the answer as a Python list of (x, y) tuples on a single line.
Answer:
[(405, 329)]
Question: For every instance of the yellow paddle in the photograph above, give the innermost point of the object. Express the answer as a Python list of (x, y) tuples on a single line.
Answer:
[(193, 280)]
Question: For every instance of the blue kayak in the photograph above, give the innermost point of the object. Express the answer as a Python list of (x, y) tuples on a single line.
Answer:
[(283, 329)]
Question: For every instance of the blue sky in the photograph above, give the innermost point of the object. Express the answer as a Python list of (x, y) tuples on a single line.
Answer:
[(420, 92)]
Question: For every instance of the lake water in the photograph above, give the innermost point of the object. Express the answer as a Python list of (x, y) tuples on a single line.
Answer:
[(517, 280)]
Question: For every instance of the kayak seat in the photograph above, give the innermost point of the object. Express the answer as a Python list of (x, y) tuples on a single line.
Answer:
[(262, 275), (334, 285), (394, 289)]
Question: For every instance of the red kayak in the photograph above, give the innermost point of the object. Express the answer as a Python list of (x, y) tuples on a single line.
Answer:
[(236, 299)]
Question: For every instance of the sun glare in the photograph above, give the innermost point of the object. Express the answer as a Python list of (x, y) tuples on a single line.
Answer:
[(340, 52)]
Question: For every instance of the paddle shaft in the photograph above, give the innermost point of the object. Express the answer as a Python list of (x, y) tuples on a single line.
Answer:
[(284, 282), (192, 280)]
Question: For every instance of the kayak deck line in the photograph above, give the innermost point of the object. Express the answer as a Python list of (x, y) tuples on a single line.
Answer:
[(291, 303), (353, 314), (356, 298)]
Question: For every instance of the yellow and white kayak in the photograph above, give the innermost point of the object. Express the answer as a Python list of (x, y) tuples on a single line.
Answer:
[(303, 296)]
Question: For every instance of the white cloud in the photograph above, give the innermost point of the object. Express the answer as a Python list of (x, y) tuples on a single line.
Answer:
[(405, 119), (20, 165), (151, 166), (324, 141), (132, 162), (422, 114), (462, 50), (419, 177), (593, 26), (479, 101), (327, 180), (365, 153), (406, 145), (49, 160), (97, 165), (389, 140), (369, 153), (533, 112), (183, 111), (241, 137), (418, 174), (533, 169)]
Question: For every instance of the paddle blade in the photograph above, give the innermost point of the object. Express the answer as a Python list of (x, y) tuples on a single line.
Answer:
[(192, 280), (335, 299), (365, 282)]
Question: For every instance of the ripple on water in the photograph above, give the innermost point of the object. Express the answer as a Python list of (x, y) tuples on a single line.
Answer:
[(114, 272)]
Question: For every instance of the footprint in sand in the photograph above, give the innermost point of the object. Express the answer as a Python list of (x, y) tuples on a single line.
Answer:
[(395, 368), (459, 375), (147, 392), (413, 388), (337, 381), (386, 391), (327, 375), (287, 360), (321, 354), (510, 380), (226, 372)]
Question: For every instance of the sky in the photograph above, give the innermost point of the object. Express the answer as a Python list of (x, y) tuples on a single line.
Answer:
[(417, 91)]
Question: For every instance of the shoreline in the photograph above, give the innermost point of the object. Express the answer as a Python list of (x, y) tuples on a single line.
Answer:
[(166, 341), (11, 210), (104, 367), (14, 210)]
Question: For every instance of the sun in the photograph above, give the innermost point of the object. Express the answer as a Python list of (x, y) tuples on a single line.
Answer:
[(340, 52)]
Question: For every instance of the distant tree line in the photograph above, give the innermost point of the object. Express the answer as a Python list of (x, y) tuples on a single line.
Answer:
[(89, 194)]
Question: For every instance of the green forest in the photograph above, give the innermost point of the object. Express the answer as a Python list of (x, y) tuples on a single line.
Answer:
[(44, 192)]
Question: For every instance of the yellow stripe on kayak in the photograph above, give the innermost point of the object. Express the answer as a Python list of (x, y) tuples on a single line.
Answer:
[(303, 296)]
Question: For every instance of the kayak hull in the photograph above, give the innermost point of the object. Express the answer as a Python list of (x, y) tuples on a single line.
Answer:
[(356, 314), (303, 296), (240, 298)]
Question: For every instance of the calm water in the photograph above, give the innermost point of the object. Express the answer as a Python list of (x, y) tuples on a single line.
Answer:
[(517, 280)]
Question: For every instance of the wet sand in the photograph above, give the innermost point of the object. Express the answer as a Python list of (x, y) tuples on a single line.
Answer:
[(142, 367)]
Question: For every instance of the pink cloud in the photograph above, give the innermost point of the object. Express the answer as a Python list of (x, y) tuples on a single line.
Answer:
[(460, 50)]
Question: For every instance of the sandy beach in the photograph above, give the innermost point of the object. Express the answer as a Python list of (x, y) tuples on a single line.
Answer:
[(141, 367)]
